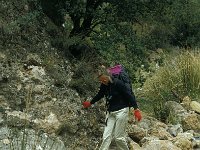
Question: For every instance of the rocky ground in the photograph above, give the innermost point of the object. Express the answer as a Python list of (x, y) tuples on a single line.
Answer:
[(32, 102), (36, 99)]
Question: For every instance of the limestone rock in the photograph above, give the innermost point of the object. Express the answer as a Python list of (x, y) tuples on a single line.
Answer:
[(185, 135), (184, 141), (160, 145), (50, 124), (28, 139), (186, 102), (162, 134), (195, 106), (136, 133), (175, 129), (6, 141), (184, 144), (147, 139), (33, 59), (191, 122), (175, 107), (2, 56), (133, 145), (196, 142), (17, 118)]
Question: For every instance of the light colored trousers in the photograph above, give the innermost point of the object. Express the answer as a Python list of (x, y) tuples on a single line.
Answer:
[(115, 129)]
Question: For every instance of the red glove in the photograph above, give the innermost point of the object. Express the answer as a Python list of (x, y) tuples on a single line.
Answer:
[(86, 104), (137, 114)]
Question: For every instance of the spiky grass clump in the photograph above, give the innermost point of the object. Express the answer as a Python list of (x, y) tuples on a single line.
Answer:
[(178, 77)]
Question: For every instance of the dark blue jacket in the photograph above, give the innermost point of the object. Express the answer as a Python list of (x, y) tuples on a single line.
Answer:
[(118, 96)]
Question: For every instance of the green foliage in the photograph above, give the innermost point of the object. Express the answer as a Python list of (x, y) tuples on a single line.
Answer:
[(178, 77), (160, 111), (156, 36), (118, 44), (54, 10), (190, 74), (138, 11), (83, 79), (174, 24), (144, 25), (28, 19), (25, 21), (172, 118), (183, 17), (85, 15)]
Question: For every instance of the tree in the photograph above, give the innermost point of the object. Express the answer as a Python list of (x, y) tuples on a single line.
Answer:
[(184, 16), (87, 14), (168, 22), (54, 10)]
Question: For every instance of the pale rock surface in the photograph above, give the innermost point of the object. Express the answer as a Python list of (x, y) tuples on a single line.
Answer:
[(160, 145), (195, 106)]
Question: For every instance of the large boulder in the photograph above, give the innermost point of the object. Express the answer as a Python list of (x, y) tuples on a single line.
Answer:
[(191, 122), (136, 133), (28, 139), (177, 111), (50, 123), (175, 107), (175, 129), (160, 145), (184, 144), (195, 106), (184, 141), (162, 134), (148, 127)]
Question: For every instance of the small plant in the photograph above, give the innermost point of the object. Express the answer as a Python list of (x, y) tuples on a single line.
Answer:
[(172, 118)]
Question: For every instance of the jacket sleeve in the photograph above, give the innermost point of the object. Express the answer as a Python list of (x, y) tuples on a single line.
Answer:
[(99, 95), (130, 97)]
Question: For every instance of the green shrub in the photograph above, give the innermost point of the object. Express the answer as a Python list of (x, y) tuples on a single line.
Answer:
[(84, 80), (178, 77)]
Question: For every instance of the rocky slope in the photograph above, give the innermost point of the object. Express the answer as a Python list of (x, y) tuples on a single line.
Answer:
[(34, 85), (36, 100), (33, 103)]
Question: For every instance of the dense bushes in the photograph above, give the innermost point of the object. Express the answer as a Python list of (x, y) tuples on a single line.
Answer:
[(178, 77)]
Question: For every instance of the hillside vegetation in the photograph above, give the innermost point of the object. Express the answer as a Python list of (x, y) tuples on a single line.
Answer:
[(50, 52)]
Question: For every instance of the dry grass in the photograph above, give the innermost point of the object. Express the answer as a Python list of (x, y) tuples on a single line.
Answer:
[(178, 77)]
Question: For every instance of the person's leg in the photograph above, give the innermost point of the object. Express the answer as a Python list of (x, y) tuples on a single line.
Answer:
[(120, 129), (107, 135)]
